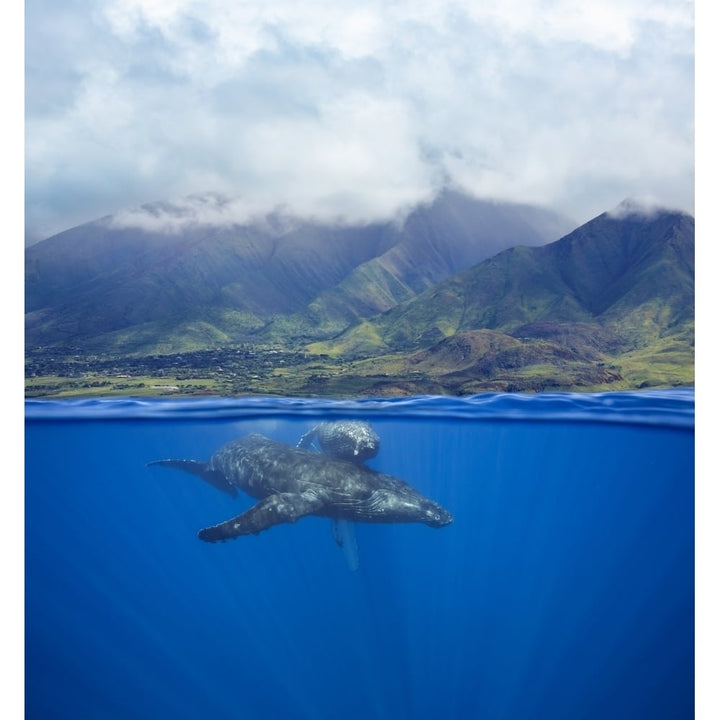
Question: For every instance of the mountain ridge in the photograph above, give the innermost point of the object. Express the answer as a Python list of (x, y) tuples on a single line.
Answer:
[(610, 303), (599, 272), (253, 283)]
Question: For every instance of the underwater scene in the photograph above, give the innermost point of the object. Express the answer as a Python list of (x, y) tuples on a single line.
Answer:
[(497, 556)]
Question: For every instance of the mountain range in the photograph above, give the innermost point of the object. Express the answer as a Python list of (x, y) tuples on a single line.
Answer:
[(613, 298), (277, 280), (463, 295)]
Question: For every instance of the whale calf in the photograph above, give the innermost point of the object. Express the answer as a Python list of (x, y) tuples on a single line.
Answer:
[(353, 440), (290, 483)]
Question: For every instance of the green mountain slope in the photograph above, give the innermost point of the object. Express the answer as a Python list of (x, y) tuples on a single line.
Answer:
[(102, 287), (436, 242), (560, 315)]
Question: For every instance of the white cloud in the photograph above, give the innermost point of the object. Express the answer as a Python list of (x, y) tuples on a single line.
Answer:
[(174, 215), (645, 206), (344, 110)]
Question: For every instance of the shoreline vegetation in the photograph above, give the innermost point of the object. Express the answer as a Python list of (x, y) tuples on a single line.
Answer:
[(247, 370)]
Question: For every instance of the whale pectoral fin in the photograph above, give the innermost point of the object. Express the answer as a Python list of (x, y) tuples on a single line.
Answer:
[(344, 534), (337, 533), (273, 510), (201, 469)]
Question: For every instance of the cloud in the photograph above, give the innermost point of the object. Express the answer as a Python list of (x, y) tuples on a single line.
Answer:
[(645, 207), (347, 111)]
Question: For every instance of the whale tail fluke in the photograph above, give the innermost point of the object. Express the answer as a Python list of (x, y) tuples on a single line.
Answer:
[(202, 470)]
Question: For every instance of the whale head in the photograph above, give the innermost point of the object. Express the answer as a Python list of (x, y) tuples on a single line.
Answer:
[(435, 515), (352, 440)]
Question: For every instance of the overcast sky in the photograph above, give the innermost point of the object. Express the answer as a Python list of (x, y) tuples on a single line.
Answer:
[(354, 110)]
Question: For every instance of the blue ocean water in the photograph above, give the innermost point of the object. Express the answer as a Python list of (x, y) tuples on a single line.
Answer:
[(563, 589)]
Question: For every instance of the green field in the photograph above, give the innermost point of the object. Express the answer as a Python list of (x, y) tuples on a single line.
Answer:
[(667, 363)]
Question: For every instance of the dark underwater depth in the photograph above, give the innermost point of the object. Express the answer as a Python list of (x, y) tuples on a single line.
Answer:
[(564, 588)]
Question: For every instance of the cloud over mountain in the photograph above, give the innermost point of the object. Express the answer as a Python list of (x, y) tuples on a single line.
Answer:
[(337, 110)]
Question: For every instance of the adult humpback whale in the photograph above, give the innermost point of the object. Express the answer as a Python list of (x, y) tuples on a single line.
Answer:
[(290, 483)]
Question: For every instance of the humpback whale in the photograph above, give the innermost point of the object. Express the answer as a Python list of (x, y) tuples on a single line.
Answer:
[(352, 440), (290, 483)]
